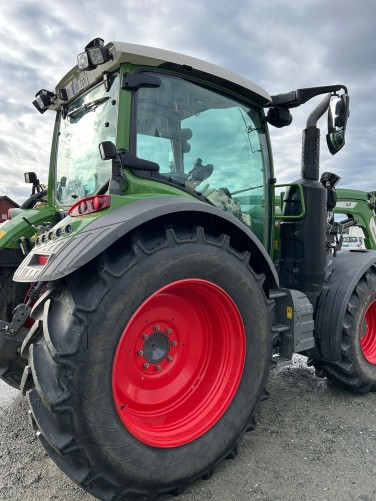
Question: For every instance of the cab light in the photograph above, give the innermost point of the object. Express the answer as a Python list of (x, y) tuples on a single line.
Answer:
[(95, 54), (44, 99), (90, 205)]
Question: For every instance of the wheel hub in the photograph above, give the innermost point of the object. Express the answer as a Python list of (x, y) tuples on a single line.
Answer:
[(156, 347)]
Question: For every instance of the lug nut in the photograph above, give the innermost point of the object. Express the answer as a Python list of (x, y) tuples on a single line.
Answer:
[(146, 365), (158, 367), (174, 343), (140, 353), (170, 358), (157, 328), (144, 337), (168, 331)]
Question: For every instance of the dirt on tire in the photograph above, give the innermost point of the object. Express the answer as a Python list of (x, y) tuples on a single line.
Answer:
[(313, 441)]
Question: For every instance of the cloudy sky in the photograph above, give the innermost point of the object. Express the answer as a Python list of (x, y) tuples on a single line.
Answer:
[(281, 45)]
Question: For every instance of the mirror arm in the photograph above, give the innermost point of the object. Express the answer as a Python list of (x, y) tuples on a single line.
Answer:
[(318, 112), (300, 96)]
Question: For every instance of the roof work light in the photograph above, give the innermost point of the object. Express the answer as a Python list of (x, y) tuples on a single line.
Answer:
[(44, 99), (94, 55)]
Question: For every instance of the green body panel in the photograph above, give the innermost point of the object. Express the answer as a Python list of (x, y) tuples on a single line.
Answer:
[(13, 229), (124, 111), (51, 200)]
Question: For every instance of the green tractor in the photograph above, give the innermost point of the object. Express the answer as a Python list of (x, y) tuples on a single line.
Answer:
[(155, 310), (358, 207)]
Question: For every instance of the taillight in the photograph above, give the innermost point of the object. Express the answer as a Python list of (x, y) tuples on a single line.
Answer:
[(90, 205), (42, 260)]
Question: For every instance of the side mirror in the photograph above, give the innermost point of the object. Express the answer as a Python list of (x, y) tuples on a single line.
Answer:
[(107, 150), (31, 177), (337, 119)]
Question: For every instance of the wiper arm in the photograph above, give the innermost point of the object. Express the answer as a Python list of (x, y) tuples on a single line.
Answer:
[(85, 108), (247, 189)]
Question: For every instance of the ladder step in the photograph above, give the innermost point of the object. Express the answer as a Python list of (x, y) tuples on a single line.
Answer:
[(280, 328)]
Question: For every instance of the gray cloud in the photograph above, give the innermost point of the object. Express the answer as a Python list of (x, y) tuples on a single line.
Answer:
[(280, 44)]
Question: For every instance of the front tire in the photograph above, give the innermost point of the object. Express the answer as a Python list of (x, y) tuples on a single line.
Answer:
[(153, 362), (357, 368)]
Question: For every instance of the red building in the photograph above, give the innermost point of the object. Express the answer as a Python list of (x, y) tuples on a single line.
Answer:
[(5, 204)]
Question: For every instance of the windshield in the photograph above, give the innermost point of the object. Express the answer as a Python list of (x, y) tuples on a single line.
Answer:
[(208, 142), (89, 120)]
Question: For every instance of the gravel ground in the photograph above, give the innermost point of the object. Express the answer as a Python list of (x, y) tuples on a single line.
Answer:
[(313, 442)]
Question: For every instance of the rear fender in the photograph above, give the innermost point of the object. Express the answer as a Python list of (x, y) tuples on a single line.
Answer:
[(66, 255)]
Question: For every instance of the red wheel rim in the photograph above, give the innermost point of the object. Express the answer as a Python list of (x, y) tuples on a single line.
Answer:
[(368, 333), (178, 363)]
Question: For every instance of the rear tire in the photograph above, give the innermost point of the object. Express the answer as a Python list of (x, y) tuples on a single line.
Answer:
[(152, 365), (357, 367)]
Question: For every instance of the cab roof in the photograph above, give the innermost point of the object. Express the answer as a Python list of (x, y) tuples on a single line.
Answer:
[(142, 55)]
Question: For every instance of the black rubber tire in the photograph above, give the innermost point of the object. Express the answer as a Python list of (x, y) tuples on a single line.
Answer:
[(11, 294), (354, 371), (71, 395)]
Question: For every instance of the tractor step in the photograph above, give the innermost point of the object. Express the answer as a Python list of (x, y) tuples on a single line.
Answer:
[(277, 294), (278, 328), (293, 326)]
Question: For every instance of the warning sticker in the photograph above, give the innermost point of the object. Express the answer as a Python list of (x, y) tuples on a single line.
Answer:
[(289, 312)]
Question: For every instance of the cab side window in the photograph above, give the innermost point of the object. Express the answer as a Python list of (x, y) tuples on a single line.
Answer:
[(206, 141)]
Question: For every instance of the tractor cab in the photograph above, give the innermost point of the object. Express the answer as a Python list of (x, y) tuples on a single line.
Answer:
[(187, 127)]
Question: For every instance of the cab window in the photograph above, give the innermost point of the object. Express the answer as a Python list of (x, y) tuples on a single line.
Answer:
[(207, 142)]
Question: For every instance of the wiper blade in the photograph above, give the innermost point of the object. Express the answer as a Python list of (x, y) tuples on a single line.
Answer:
[(85, 108)]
